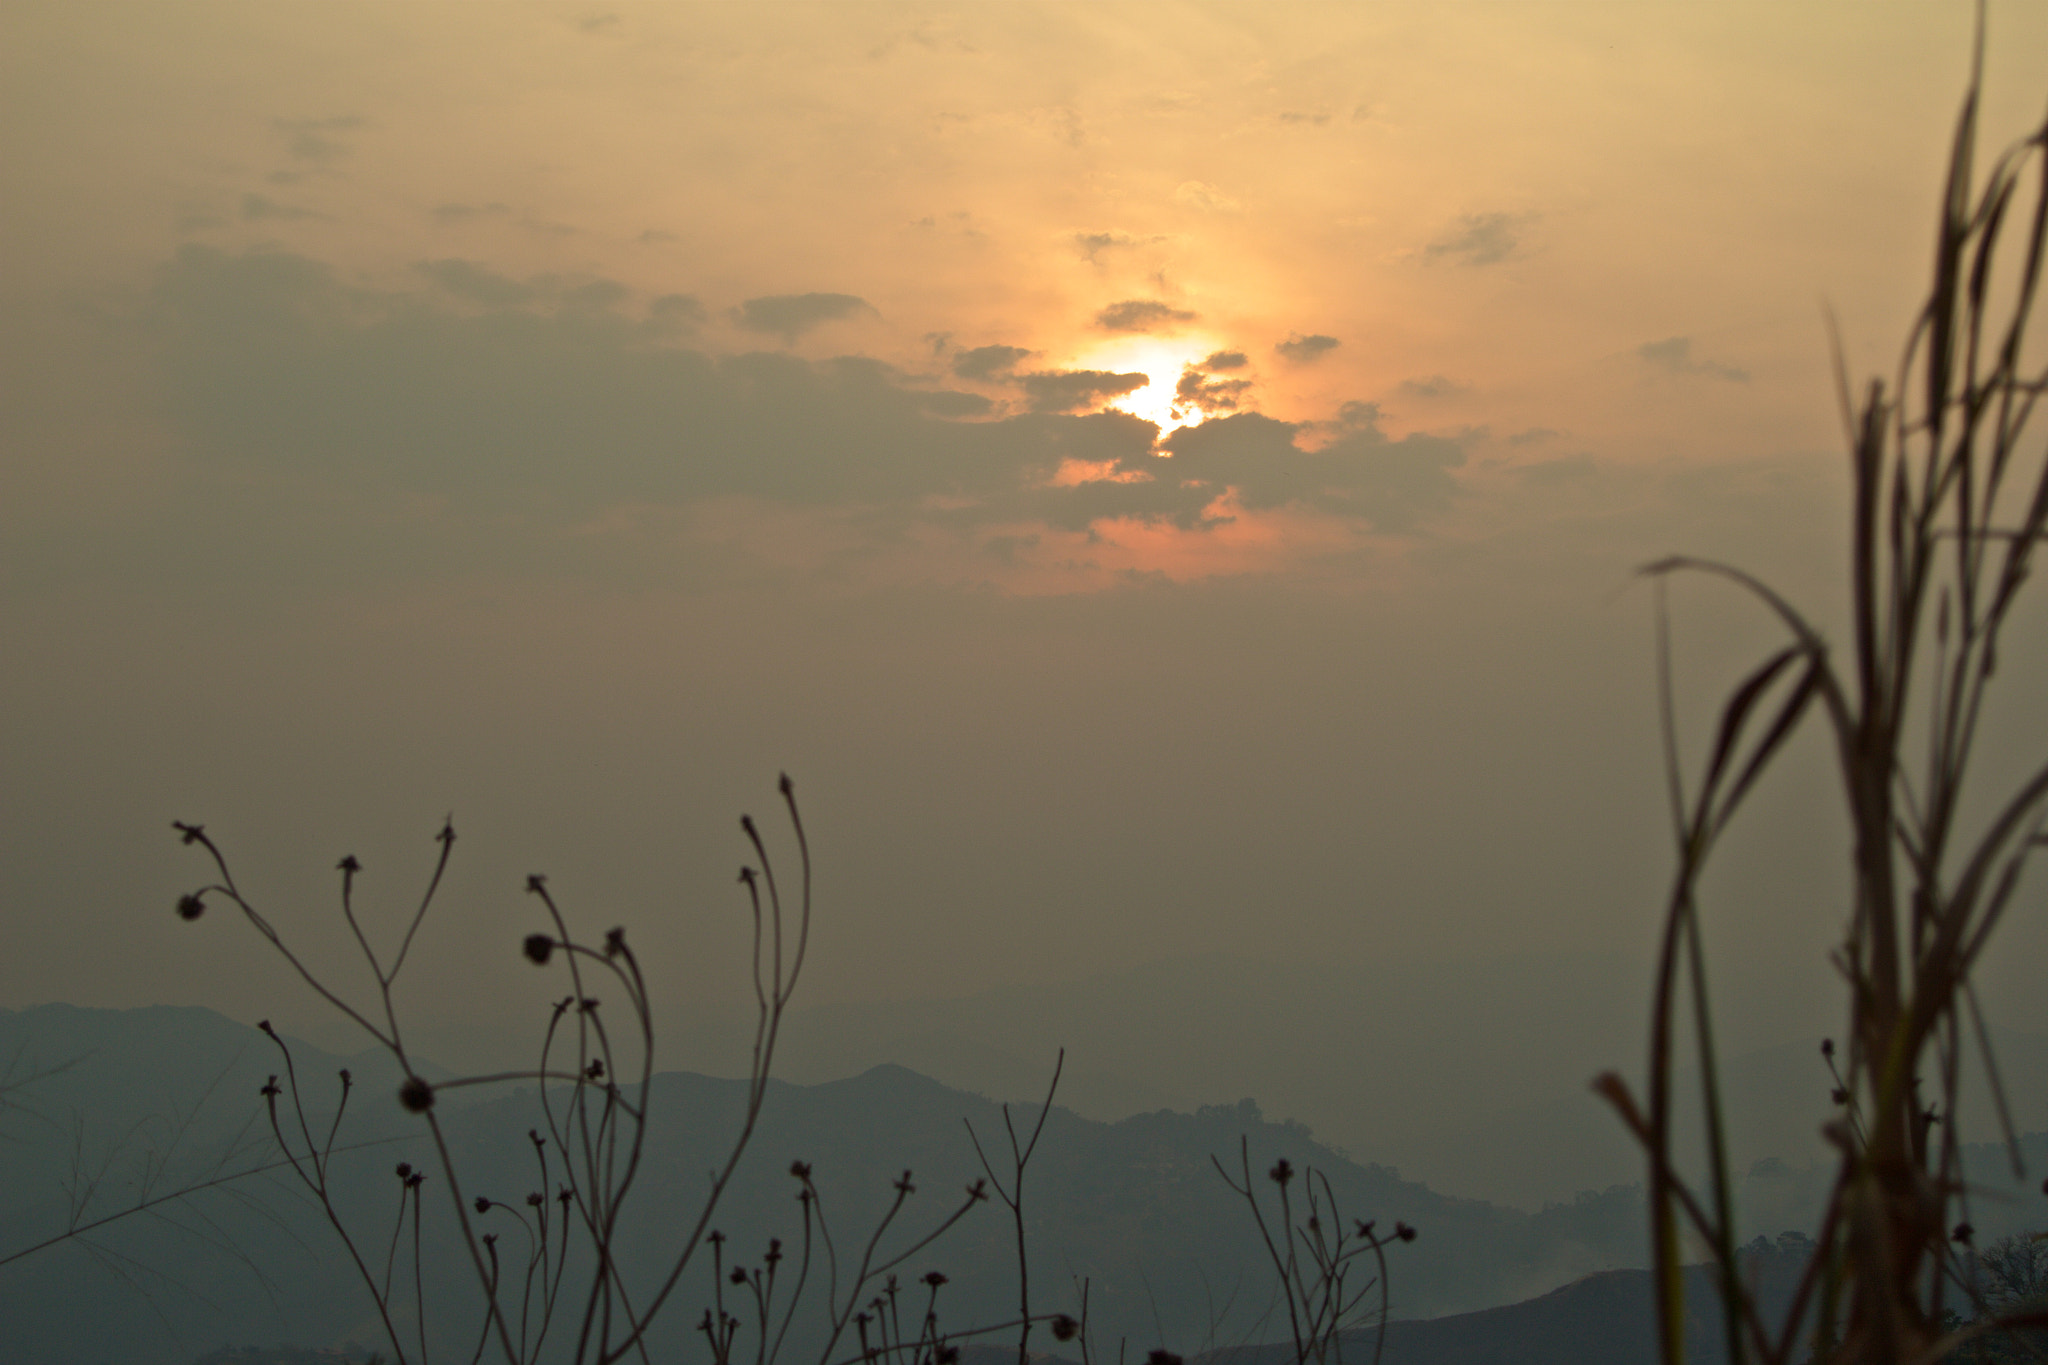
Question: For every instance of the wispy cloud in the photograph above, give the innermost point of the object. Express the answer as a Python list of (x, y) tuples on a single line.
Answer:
[(1480, 239), (1674, 354)]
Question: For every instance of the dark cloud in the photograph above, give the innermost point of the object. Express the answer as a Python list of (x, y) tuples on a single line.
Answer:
[(1302, 350), (1065, 390), (1140, 315), (1479, 239), (954, 403), (791, 315), (1389, 484), (597, 295), (1675, 354), (471, 283), (1434, 386), (551, 397), (1225, 360), (988, 362), (1533, 436), (676, 312), (1200, 392)]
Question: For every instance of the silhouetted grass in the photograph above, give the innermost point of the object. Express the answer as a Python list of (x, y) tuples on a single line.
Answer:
[(1949, 506)]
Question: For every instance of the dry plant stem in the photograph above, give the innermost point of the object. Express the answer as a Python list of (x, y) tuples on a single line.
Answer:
[(599, 1131), (1313, 1269), (1939, 472), (1014, 1197)]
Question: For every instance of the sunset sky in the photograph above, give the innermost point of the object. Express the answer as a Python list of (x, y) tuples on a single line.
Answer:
[(1164, 479)]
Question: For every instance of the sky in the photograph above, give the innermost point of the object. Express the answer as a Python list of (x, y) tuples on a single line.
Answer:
[(1165, 480)]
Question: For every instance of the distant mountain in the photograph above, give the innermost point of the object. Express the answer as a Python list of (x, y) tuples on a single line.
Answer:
[(105, 1107), (1431, 1068), (1608, 1318)]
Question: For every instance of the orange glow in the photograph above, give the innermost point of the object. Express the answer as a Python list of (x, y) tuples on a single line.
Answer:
[(1161, 360), (1073, 473)]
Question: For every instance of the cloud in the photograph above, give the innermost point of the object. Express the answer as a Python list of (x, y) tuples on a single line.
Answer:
[(1092, 244), (1199, 194), (989, 362), (449, 214), (1675, 354), (1199, 392), (1389, 484), (1479, 239), (1225, 360), (573, 410), (1434, 386), (790, 315), (1065, 390), (1140, 315), (257, 208), (1315, 119), (1533, 436), (471, 283), (676, 312), (1305, 350), (311, 139)]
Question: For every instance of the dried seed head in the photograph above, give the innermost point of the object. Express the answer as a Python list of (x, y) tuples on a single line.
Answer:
[(1162, 1358), (738, 1276), (800, 1169), (404, 1170), (539, 948), (190, 907), (1282, 1172), (1404, 1232), (535, 1200), (416, 1095), (1963, 1233), (1064, 1328), (934, 1278), (348, 864), (1827, 1047), (614, 942), (483, 1205)]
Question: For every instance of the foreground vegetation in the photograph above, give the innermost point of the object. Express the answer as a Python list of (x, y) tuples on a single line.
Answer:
[(1950, 504)]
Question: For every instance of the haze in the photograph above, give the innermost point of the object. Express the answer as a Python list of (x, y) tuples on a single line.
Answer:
[(570, 416)]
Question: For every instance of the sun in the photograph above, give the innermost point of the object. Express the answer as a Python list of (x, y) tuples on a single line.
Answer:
[(1162, 361)]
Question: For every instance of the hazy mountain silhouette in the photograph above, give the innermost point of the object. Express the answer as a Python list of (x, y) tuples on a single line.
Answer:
[(156, 1096)]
